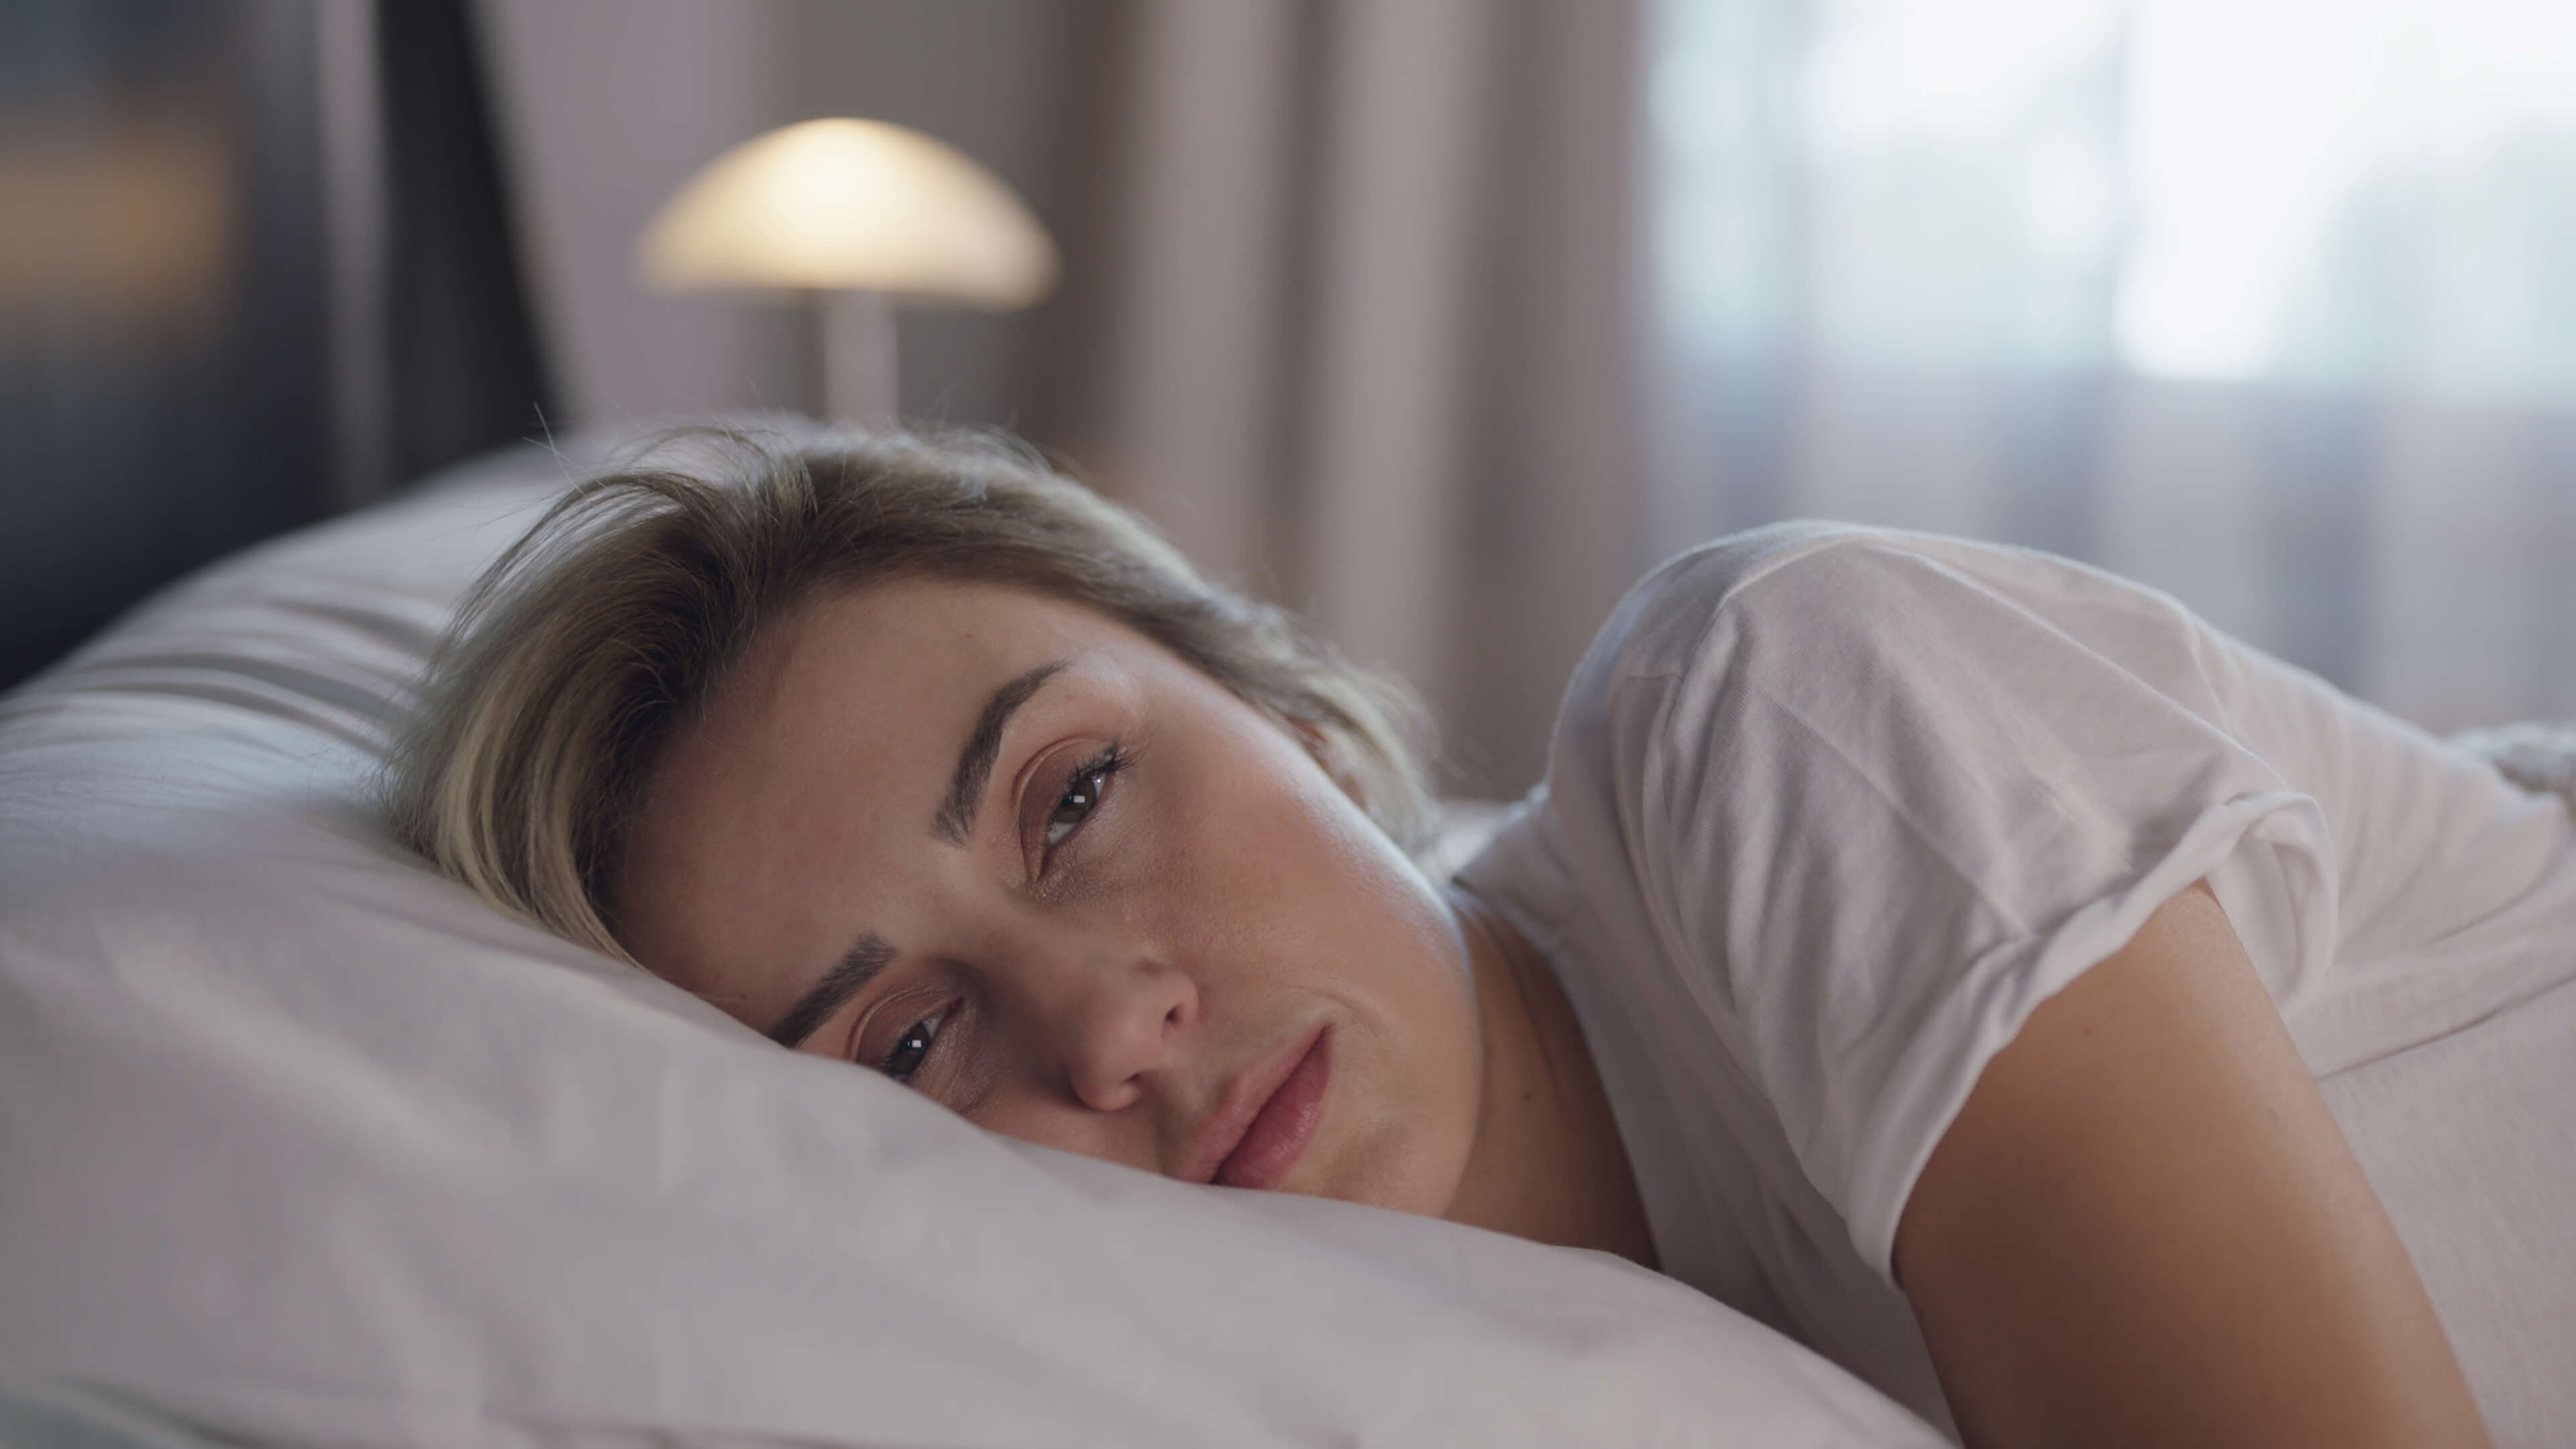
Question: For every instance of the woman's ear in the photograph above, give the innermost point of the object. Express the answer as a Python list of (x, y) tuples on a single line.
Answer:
[(1321, 746)]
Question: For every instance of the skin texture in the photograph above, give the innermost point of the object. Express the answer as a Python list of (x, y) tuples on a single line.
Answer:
[(2145, 1228), (1207, 906)]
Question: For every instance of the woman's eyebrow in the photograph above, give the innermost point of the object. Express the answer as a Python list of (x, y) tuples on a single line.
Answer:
[(871, 953), (848, 977), (956, 817)]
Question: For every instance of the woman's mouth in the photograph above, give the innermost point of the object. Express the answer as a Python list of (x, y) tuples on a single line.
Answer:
[(1291, 1102)]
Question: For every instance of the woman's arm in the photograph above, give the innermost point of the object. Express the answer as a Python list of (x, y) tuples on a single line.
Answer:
[(2145, 1228)]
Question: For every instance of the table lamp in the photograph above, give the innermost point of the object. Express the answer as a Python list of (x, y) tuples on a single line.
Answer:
[(858, 215)]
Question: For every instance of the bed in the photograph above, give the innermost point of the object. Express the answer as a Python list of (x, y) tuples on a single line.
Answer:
[(301, 1144)]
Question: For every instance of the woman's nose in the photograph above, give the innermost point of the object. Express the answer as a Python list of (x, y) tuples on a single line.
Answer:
[(1122, 1025)]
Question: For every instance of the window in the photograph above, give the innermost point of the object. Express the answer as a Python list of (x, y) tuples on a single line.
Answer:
[(2347, 194)]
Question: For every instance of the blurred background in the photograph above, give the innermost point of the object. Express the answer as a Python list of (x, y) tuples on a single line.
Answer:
[(1437, 319)]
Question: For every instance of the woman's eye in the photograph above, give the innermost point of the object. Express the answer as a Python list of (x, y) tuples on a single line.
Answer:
[(1081, 796), (905, 1057)]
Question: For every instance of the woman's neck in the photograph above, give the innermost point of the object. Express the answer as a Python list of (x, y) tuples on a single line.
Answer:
[(1547, 1163)]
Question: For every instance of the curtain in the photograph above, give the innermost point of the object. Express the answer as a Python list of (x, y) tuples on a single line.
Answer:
[(2267, 306), (463, 365), (1349, 288), (1362, 335)]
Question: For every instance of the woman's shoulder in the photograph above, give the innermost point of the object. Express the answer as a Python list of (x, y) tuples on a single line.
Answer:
[(1804, 580)]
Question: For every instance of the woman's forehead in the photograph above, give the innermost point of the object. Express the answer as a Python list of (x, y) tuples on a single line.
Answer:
[(881, 673), (931, 627), (828, 756)]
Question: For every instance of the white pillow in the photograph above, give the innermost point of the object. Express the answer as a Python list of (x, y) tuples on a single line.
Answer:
[(299, 1142)]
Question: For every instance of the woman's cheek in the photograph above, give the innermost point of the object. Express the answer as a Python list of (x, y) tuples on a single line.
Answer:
[(1014, 1113)]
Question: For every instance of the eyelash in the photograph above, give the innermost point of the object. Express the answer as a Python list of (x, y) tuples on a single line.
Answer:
[(934, 1022), (1093, 774)]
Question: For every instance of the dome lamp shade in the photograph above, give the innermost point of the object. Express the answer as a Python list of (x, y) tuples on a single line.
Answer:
[(858, 215), (844, 203)]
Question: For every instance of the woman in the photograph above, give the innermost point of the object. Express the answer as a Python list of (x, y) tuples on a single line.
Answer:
[(1942, 952)]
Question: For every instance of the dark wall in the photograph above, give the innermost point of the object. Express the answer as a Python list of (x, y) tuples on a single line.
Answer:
[(161, 330), (167, 360)]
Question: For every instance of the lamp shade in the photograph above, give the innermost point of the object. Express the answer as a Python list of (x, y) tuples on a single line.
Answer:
[(842, 203)]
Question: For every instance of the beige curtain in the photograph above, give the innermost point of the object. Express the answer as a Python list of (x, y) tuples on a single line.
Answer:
[(2214, 317), (1347, 282), (1357, 329)]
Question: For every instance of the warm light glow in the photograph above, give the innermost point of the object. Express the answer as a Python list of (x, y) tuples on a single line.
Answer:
[(135, 221), (845, 203)]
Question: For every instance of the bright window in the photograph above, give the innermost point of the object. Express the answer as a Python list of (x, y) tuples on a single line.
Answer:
[(2371, 194)]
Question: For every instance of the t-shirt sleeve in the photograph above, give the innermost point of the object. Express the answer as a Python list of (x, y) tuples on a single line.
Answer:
[(1881, 800)]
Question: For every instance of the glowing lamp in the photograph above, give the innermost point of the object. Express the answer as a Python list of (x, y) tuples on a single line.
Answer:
[(859, 215)]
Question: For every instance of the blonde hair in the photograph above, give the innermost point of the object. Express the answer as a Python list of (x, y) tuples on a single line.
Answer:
[(618, 615)]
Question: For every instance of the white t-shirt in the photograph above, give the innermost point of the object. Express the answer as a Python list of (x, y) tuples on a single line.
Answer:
[(1830, 810)]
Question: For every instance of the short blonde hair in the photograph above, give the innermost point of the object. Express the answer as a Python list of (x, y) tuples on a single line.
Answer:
[(618, 615)]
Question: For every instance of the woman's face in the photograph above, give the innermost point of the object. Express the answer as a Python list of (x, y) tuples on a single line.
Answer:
[(1017, 856)]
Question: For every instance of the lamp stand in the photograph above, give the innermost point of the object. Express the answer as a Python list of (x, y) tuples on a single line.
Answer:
[(860, 384)]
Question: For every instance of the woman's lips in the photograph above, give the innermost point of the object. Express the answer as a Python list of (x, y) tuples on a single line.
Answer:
[(1247, 1095), (1280, 1130)]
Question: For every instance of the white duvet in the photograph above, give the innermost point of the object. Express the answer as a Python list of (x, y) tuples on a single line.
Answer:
[(301, 1144)]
